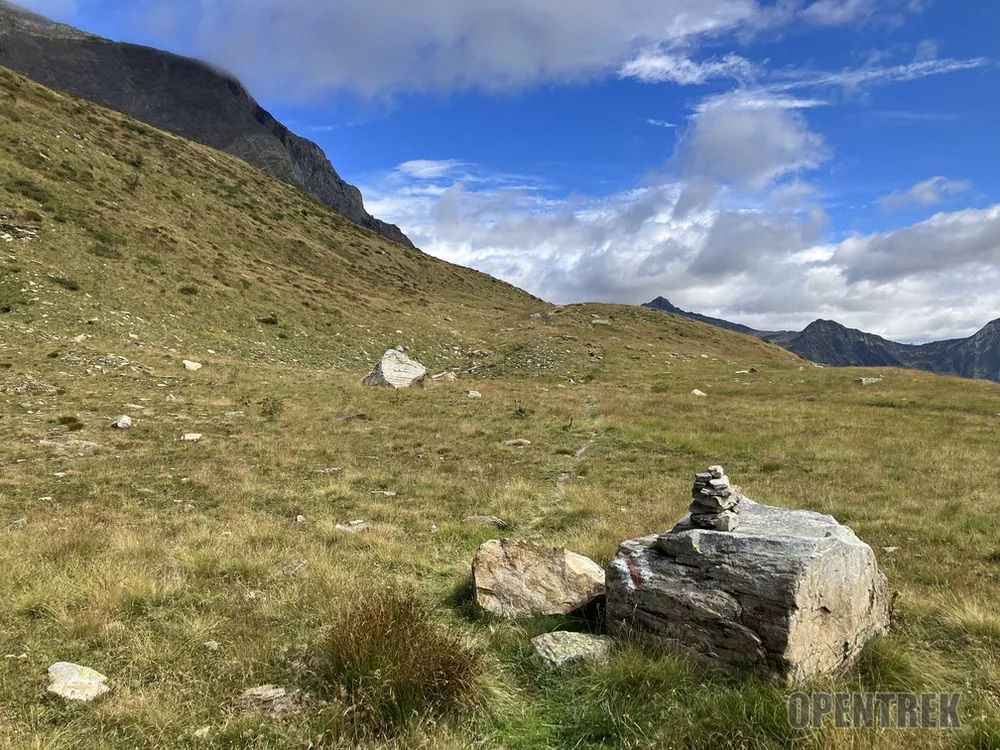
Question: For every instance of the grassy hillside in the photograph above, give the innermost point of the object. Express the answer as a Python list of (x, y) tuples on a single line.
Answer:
[(129, 551)]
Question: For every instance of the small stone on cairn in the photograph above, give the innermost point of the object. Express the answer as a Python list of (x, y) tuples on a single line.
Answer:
[(714, 502)]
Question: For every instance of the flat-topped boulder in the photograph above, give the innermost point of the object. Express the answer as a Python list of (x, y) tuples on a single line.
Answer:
[(791, 592), (396, 370)]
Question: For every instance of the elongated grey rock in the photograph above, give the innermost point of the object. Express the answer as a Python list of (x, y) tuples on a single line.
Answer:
[(791, 592)]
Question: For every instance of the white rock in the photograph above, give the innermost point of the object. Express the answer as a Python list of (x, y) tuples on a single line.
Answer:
[(698, 393), (396, 370), (211, 645), (561, 648), (123, 422), (868, 381), (192, 366), (513, 579), (300, 519), (473, 394), (76, 683), (517, 443), (192, 437), (447, 377), (80, 339), (353, 527)]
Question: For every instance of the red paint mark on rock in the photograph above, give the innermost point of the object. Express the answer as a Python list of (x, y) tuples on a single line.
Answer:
[(634, 571)]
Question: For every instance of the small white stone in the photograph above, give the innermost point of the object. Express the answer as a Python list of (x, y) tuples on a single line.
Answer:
[(699, 393), (192, 437), (124, 422), (192, 366), (76, 683), (473, 394), (517, 443), (211, 645), (353, 527), (300, 519)]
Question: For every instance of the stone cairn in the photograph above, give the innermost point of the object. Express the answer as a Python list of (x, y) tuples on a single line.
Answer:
[(714, 502)]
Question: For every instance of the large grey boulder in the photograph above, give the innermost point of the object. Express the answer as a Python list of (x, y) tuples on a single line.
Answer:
[(791, 592), (396, 370), (513, 579)]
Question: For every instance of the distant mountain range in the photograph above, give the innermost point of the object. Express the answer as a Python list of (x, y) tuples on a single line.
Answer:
[(180, 95), (828, 342)]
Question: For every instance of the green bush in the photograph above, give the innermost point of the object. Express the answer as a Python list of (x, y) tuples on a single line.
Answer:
[(391, 662)]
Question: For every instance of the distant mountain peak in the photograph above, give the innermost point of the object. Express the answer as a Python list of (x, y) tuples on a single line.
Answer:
[(831, 343)]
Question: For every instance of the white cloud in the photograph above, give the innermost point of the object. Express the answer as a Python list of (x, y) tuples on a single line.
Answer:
[(750, 147), (662, 66), (970, 237), (873, 75), (429, 168), (433, 45), (837, 12), (661, 123), (927, 193)]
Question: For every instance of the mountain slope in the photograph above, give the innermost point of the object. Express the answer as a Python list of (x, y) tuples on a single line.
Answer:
[(127, 236), (180, 95), (830, 343)]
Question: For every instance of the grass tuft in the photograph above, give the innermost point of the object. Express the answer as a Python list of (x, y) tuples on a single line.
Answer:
[(392, 663)]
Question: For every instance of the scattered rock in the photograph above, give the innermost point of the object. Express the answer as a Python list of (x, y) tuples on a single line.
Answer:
[(868, 381), (211, 645), (396, 370), (561, 648), (600, 322), (192, 366), (698, 393), (791, 592), (192, 437), (76, 683), (384, 493), (513, 579), (331, 470), (517, 443), (270, 700), (20, 523), (890, 550), (353, 527), (201, 734), (300, 519), (742, 372), (473, 394), (447, 377), (496, 523), (123, 422)]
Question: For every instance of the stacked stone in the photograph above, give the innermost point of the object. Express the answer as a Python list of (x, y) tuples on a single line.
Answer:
[(714, 501)]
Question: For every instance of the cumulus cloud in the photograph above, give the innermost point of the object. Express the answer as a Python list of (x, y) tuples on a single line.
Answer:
[(927, 193), (970, 237), (433, 45), (746, 143)]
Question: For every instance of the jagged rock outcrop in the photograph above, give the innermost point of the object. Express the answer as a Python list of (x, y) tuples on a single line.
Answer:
[(789, 592), (178, 94)]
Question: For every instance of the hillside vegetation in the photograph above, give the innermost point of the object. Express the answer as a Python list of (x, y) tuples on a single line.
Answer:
[(189, 572)]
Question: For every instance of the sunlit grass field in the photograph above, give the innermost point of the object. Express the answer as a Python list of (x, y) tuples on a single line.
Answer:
[(129, 551)]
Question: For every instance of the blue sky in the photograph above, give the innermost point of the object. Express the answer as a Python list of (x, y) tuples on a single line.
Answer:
[(771, 162)]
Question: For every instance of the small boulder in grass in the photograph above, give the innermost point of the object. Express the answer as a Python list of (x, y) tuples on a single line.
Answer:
[(76, 683), (124, 422), (561, 648)]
